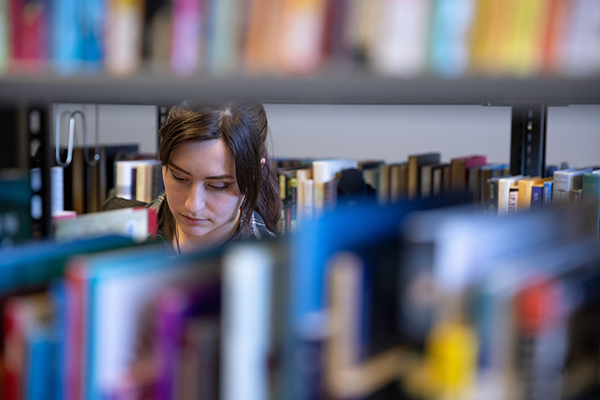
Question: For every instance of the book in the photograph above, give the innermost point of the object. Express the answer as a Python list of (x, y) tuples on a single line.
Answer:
[(347, 228), (566, 180), (537, 194), (547, 192), (247, 303), (113, 290), (224, 37), (513, 197), (591, 198), (188, 22), (437, 179), (139, 223), (15, 206), (93, 24), (325, 171), (348, 374), (35, 264), (427, 181), (490, 171), (383, 184), (459, 167), (504, 185), (67, 38), (399, 46), (23, 317), (525, 191), (302, 175), (415, 163), (262, 35), (297, 52), (448, 47), (175, 306), (491, 206)]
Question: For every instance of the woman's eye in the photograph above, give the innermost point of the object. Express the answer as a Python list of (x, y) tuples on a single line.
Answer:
[(219, 186), (177, 178)]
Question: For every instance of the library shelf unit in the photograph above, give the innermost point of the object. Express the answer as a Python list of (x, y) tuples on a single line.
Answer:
[(325, 88), (528, 97)]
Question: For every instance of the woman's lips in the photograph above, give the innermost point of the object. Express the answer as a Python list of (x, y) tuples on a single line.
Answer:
[(194, 221)]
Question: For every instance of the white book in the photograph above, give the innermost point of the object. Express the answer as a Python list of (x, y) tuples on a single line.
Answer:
[(138, 223), (302, 175), (325, 171), (144, 182), (566, 180), (400, 47), (504, 193), (246, 323)]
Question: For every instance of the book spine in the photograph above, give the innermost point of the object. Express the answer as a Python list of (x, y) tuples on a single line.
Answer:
[(575, 197), (246, 327), (537, 196), (547, 193), (492, 202), (513, 200), (186, 36)]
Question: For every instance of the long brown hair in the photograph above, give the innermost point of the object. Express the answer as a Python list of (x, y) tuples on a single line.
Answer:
[(243, 127)]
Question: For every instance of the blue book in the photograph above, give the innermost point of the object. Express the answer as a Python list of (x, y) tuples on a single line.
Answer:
[(66, 39), (58, 295), (537, 195), (547, 193), (41, 359), (359, 229), (93, 17)]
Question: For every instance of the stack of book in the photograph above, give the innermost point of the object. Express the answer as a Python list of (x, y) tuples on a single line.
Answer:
[(425, 175), (423, 299), (290, 37)]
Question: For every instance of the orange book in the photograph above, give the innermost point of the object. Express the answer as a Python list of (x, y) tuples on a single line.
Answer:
[(552, 42), (300, 50), (525, 187)]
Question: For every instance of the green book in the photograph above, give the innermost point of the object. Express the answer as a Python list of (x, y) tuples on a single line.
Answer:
[(590, 197)]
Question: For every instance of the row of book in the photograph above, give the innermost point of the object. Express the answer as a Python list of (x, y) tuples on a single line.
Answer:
[(291, 37), (422, 299), (310, 186)]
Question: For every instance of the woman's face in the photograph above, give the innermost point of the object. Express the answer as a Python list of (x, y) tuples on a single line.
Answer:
[(202, 191)]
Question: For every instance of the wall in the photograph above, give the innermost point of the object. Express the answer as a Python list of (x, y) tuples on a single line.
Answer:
[(386, 132), (393, 132)]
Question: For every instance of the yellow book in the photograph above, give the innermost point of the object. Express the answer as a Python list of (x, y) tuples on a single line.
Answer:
[(491, 35), (527, 36), (525, 185)]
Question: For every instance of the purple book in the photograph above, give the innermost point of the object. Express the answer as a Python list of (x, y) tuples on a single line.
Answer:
[(175, 306)]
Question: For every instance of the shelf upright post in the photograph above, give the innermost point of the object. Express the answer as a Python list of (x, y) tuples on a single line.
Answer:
[(39, 130), (528, 140), (161, 112)]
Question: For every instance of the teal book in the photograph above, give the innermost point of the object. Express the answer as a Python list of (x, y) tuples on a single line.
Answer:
[(591, 198), (34, 264)]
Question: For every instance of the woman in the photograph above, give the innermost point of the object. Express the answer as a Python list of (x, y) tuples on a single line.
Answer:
[(219, 185)]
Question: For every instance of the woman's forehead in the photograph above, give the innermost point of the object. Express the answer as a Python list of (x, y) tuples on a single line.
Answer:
[(204, 158)]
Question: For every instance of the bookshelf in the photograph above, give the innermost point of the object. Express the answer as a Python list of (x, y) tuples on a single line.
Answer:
[(326, 88), (31, 96)]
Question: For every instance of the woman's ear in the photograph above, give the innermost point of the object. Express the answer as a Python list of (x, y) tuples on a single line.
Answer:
[(262, 161)]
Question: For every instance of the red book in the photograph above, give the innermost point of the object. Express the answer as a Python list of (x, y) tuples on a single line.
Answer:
[(76, 306)]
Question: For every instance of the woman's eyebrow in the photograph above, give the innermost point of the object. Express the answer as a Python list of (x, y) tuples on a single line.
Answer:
[(171, 165), (220, 177)]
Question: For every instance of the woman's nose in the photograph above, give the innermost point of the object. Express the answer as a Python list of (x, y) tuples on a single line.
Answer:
[(196, 200)]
